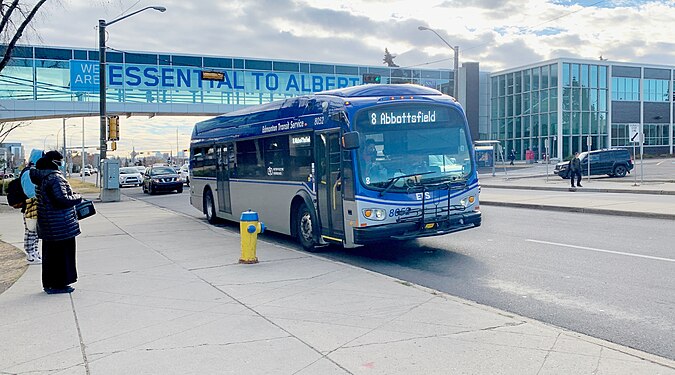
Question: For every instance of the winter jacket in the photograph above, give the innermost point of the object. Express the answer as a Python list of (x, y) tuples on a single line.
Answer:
[(575, 165), (56, 216)]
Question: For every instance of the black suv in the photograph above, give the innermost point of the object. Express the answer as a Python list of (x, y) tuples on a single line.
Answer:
[(161, 178), (612, 162)]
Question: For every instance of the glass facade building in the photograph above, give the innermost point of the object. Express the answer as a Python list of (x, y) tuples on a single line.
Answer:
[(573, 105)]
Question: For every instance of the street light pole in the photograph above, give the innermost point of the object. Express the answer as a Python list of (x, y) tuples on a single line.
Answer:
[(65, 157), (44, 142), (102, 72), (102, 24), (455, 49), (83, 155), (102, 81)]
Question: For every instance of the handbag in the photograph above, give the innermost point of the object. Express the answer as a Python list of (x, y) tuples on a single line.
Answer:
[(85, 209)]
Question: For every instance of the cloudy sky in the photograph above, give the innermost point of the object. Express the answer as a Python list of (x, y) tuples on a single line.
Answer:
[(497, 33)]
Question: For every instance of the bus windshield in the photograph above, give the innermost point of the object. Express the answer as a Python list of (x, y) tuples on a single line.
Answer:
[(427, 142)]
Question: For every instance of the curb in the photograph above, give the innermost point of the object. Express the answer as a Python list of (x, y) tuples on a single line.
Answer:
[(600, 211), (596, 190), (517, 177)]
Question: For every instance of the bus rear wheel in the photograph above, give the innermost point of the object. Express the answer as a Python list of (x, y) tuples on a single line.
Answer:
[(210, 207), (306, 228)]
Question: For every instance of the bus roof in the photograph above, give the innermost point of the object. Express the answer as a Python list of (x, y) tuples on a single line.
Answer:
[(225, 124), (363, 91)]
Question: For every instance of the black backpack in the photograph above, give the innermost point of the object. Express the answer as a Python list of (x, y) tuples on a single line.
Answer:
[(15, 195)]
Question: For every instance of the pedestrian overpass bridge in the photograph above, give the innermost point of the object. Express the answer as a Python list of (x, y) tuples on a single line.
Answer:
[(49, 82)]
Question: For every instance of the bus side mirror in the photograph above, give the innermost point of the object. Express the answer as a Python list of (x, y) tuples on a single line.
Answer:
[(351, 140)]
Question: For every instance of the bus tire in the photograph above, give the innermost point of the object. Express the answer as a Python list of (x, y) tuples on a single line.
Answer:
[(306, 228), (210, 207)]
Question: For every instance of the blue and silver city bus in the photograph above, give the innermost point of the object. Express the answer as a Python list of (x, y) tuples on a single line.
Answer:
[(353, 166)]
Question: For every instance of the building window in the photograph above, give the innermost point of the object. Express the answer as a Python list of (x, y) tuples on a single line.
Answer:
[(554, 75), (584, 76), (656, 134), (602, 77), (575, 75), (566, 75), (655, 90), (625, 89)]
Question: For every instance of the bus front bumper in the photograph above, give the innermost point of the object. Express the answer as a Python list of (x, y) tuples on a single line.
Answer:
[(412, 230)]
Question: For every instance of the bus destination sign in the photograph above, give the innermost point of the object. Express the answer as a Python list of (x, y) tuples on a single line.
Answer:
[(401, 117)]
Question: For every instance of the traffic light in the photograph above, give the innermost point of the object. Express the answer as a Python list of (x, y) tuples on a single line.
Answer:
[(114, 128), (372, 78)]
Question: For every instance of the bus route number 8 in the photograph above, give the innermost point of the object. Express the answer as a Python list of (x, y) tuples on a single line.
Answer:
[(373, 119)]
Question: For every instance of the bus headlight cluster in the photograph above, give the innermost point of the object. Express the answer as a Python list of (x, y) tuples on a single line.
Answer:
[(467, 201), (377, 214)]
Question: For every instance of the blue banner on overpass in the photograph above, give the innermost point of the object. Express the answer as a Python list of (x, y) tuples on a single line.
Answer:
[(84, 77)]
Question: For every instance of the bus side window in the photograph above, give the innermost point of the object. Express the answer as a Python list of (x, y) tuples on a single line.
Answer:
[(210, 162), (197, 161), (300, 156), (276, 156), (249, 159)]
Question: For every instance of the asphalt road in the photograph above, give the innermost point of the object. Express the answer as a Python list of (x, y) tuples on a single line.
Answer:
[(605, 276)]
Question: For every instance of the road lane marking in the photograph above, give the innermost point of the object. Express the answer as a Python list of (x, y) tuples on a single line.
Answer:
[(602, 251)]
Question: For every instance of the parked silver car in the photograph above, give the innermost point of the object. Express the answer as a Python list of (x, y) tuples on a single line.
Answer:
[(130, 176)]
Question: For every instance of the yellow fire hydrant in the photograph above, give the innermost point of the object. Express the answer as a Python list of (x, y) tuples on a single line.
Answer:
[(249, 227)]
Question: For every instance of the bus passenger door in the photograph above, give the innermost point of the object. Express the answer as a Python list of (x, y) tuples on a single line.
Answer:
[(223, 177), (329, 184)]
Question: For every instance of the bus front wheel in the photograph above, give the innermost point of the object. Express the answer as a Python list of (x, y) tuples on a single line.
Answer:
[(306, 228), (210, 207)]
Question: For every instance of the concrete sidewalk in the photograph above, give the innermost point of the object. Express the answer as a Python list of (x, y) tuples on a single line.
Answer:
[(162, 293)]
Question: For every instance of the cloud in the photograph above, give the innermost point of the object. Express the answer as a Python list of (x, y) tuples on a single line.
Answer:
[(499, 34)]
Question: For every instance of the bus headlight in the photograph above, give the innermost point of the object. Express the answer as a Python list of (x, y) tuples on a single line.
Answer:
[(376, 214), (467, 201)]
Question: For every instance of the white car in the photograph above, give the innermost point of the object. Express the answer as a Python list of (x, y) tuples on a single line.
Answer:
[(85, 172), (141, 169), (185, 174), (130, 176)]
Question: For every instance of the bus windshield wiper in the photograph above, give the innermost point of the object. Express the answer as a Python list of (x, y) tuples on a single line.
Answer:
[(394, 179)]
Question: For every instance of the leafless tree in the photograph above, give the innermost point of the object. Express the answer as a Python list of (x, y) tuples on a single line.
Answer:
[(7, 127), (16, 15)]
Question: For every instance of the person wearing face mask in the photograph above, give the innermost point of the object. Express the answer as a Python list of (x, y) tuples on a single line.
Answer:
[(57, 223)]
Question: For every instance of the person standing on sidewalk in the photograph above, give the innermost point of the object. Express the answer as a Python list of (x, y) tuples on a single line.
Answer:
[(57, 224), (30, 211), (512, 156), (575, 170)]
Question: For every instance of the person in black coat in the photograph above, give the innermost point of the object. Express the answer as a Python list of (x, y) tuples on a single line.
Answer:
[(575, 170), (57, 223)]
